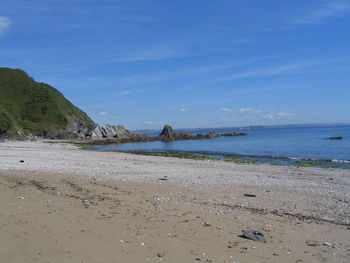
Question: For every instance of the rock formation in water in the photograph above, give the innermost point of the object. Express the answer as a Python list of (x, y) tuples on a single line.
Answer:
[(168, 134)]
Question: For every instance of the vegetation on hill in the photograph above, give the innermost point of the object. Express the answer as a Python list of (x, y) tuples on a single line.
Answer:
[(34, 108)]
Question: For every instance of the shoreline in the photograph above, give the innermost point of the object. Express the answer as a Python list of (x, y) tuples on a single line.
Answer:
[(238, 158), (106, 198)]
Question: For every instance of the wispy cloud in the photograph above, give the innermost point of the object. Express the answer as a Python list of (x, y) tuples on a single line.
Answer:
[(251, 113), (5, 23), (240, 110), (197, 72), (103, 113), (154, 123), (279, 114), (267, 72), (152, 54), (185, 110), (322, 12)]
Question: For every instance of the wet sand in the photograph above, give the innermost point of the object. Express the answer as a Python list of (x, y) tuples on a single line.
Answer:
[(62, 204)]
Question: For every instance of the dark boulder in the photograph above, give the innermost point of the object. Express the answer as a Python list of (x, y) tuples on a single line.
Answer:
[(167, 133), (335, 138)]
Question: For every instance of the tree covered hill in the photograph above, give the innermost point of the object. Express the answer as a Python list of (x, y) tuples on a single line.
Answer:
[(29, 107)]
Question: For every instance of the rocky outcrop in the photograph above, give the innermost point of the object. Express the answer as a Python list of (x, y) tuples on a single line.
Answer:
[(234, 134), (77, 130), (109, 131), (168, 134), (335, 138)]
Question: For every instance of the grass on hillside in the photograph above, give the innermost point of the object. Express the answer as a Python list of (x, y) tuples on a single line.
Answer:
[(33, 107)]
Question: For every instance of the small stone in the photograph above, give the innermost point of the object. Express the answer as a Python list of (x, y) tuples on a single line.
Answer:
[(254, 235), (312, 243), (326, 244), (163, 179), (160, 254), (21, 198), (21, 161), (250, 195)]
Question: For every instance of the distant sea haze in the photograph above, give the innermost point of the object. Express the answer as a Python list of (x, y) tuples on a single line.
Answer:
[(267, 144)]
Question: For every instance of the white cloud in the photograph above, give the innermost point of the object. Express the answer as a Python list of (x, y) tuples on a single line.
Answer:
[(184, 109), (285, 113), (241, 110), (279, 115), (155, 124), (251, 113), (227, 110), (269, 116), (245, 109), (327, 10), (5, 23), (103, 113)]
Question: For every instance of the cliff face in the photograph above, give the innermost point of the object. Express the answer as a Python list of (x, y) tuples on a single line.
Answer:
[(31, 108), (109, 131)]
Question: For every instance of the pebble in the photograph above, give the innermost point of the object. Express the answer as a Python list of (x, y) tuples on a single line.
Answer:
[(254, 235), (160, 254), (250, 195), (326, 244), (312, 243), (21, 198)]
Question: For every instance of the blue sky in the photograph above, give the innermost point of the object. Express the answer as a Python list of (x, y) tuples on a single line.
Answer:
[(188, 63)]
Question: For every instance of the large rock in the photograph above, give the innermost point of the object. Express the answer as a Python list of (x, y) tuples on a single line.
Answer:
[(167, 133), (109, 131), (77, 130)]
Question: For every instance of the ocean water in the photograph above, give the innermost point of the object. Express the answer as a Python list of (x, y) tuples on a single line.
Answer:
[(284, 145)]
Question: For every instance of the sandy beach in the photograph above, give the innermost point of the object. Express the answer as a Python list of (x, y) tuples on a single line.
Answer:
[(63, 204)]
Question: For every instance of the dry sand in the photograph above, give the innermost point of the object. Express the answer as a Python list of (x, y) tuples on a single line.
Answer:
[(63, 204)]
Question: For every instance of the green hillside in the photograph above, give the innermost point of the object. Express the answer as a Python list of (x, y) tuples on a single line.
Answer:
[(34, 108)]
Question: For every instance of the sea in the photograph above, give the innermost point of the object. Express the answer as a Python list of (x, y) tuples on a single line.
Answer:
[(303, 145)]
